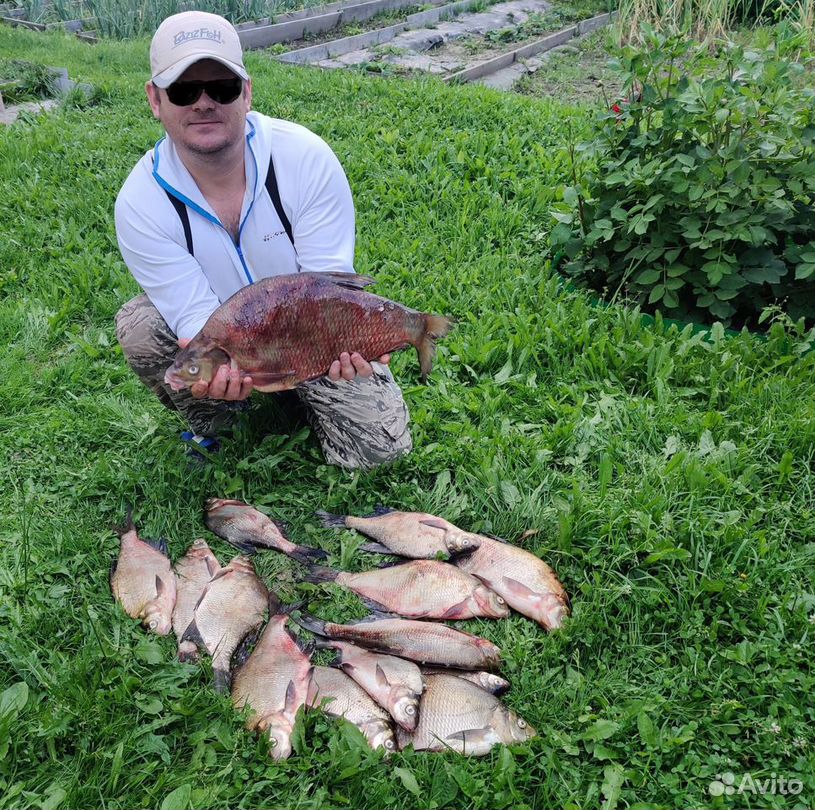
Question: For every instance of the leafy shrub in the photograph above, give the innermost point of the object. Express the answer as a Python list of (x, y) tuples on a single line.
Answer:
[(25, 81), (696, 195)]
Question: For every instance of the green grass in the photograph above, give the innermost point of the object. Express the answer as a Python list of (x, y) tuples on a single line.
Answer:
[(669, 475)]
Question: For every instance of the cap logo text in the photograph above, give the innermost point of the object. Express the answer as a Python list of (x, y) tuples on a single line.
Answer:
[(198, 33)]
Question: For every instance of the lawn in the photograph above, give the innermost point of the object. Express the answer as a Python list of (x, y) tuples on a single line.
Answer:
[(667, 474)]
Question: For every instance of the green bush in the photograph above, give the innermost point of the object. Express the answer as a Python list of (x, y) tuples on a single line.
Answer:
[(696, 195)]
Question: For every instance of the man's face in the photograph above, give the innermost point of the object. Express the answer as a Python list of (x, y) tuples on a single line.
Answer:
[(204, 127)]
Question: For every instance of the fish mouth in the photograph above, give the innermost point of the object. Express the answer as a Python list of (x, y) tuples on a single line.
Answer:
[(175, 382)]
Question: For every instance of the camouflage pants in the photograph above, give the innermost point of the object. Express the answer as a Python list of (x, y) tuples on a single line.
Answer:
[(360, 423)]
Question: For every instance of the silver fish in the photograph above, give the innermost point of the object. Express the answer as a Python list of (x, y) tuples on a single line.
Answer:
[(456, 714), (419, 589), (394, 683), (525, 581), (231, 606), (193, 571), (425, 642), (406, 534), (142, 580), (274, 684), (248, 529), (336, 694)]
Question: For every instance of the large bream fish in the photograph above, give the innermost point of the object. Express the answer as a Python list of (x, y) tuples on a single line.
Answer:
[(456, 714), (525, 581), (419, 589), (142, 580), (425, 642), (287, 329)]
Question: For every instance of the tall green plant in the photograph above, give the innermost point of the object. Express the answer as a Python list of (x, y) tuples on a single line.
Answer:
[(697, 194)]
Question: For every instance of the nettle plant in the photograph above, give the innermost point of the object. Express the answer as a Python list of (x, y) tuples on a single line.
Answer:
[(696, 195)]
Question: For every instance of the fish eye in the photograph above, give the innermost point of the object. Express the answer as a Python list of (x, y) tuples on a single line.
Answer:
[(410, 710), (273, 742), (465, 542), (501, 601), (193, 368), (521, 723), (389, 743), (153, 624)]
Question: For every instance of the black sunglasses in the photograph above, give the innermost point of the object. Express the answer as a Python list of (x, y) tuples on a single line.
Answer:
[(221, 91)]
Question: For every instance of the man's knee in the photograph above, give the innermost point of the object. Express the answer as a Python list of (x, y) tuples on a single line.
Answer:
[(143, 334)]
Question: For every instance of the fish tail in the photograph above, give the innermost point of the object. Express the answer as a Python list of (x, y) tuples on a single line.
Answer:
[(129, 524), (435, 327), (330, 520), (306, 555), (309, 622), (321, 573), (222, 679)]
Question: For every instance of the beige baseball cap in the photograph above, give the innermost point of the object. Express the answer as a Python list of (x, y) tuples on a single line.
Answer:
[(186, 38)]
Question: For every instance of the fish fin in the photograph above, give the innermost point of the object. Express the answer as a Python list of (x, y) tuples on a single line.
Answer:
[(306, 555), (160, 588), (306, 646), (269, 378), (454, 611), (246, 647), (471, 735), (128, 525), (290, 704), (193, 634), (394, 563), (325, 643), (380, 610), (372, 617), (518, 588), (114, 564), (435, 327), (321, 573), (222, 679), (309, 622), (351, 281), (211, 563), (274, 604), (218, 574), (375, 548), (497, 539), (379, 510), (435, 523), (159, 545), (330, 520), (382, 678)]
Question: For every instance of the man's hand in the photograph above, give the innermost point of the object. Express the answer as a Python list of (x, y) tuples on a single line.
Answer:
[(228, 382), (351, 365)]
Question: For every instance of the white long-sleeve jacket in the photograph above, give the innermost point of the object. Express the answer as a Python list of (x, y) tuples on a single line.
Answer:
[(186, 288)]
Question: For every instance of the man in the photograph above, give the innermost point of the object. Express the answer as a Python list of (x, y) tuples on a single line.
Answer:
[(230, 196)]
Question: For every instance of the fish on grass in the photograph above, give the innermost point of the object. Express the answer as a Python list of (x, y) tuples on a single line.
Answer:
[(486, 680), (288, 329), (193, 571), (232, 605), (525, 581), (273, 683), (337, 695), (396, 684), (142, 579), (419, 589), (406, 534), (248, 529), (424, 642), (457, 715)]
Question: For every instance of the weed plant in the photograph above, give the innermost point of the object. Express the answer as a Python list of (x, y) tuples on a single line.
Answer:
[(667, 474), (696, 195)]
